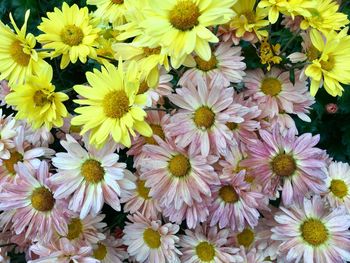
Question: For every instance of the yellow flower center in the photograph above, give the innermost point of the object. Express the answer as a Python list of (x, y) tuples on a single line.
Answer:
[(142, 190), (339, 188), (232, 125), (246, 237), (184, 15), (151, 51), (143, 88), (100, 252), (271, 86), (40, 98), (92, 171), (329, 64), (116, 104), (118, 2), (312, 53), (283, 165), (157, 130), (204, 117), (72, 35), (314, 232), (75, 228), (250, 15), (179, 165), (42, 199), (228, 194), (74, 129), (206, 65), (249, 178), (151, 238), (16, 52), (15, 157), (205, 251)]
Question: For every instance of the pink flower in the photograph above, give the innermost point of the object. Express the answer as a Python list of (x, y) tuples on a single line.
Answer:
[(67, 128), (110, 250), (229, 35), (7, 134), (4, 91), (332, 108)]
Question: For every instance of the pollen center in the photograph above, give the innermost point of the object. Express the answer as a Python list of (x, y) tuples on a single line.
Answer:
[(157, 130), (312, 53), (205, 251), (339, 188), (151, 238), (100, 252), (16, 52), (143, 88), (250, 16), (92, 171), (245, 238), (142, 190), (271, 86), (72, 35), (204, 117), (40, 98), (228, 194), (232, 125), (179, 165), (283, 165), (328, 65), (184, 15), (314, 232), (116, 104), (206, 65), (75, 228), (15, 157), (151, 51), (42, 199)]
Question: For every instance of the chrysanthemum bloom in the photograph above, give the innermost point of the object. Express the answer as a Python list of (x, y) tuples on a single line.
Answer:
[(19, 59), (206, 244), (68, 128), (92, 176), (37, 102), (293, 24), (110, 250), (150, 241), (37, 212), (201, 120), (311, 233), (254, 256), (288, 161), (181, 26), (70, 33), (41, 137), (225, 66), (7, 134), (109, 10), (4, 90), (113, 106), (338, 183)]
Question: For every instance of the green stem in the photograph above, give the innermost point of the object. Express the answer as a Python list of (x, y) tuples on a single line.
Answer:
[(290, 40), (44, 49)]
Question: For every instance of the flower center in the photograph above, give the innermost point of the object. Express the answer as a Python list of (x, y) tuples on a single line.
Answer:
[(142, 190), (283, 165), (15, 157), (72, 35), (151, 238), (246, 237), (40, 98), (314, 232), (204, 117), (16, 52), (232, 125), (116, 104), (250, 15), (75, 129), (184, 15), (271, 86), (206, 65), (100, 252), (118, 2), (328, 65), (179, 165), (312, 53), (92, 171), (205, 251), (75, 228), (143, 88), (151, 51), (339, 188), (42, 199), (228, 194), (157, 130), (249, 178)]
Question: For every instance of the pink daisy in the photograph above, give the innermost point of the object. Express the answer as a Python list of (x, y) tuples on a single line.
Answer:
[(7, 134), (67, 128), (310, 233), (284, 122), (110, 250), (41, 137), (229, 35), (292, 23), (150, 241), (254, 256), (287, 161), (4, 91), (91, 176)]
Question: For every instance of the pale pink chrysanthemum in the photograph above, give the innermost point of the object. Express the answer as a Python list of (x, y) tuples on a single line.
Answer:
[(4, 91), (37, 212), (288, 161), (92, 176), (225, 66), (110, 250), (292, 23), (253, 256), (284, 122), (311, 233), (229, 35), (7, 134), (41, 137), (201, 120), (207, 244), (150, 241), (309, 52), (68, 128)]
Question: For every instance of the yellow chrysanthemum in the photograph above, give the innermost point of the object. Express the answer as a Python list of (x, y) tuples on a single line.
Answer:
[(37, 102), (18, 58), (181, 26), (112, 11), (70, 33), (112, 105), (333, 63)]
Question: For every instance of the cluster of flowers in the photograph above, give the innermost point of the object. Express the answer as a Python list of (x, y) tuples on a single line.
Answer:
[(214, 144)]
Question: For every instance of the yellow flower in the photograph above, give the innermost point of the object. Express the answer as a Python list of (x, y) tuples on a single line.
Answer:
[(37, 102), (332, 64), (112, 105), (269, 54), (112, 11), (274, 7), (18, 58), (70, 33)]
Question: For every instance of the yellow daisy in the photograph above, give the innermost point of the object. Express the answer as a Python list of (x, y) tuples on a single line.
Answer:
[(70, 33), (112, 105), (332, 64), (112, 11), (18, 58), (37, 102), (181, 26)]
